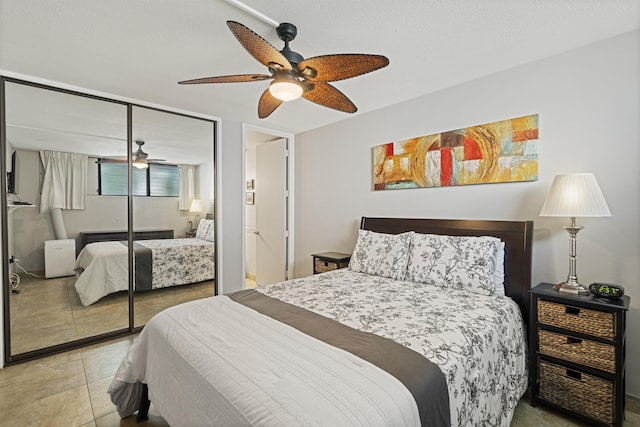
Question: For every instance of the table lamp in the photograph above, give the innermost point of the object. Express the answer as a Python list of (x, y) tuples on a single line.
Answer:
[(574, 195), (196, 207)]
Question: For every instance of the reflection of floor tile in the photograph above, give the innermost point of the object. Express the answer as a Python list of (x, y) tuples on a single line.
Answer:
[(30, 339), (100, 320), (33, 320)]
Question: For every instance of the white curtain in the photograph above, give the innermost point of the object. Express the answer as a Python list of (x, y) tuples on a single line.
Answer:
[(187, 186), (64, 184)]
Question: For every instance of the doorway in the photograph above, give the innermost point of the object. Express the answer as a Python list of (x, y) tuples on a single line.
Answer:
[(268, 219)]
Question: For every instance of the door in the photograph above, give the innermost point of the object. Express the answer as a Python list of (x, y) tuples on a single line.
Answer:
[(271, 212)]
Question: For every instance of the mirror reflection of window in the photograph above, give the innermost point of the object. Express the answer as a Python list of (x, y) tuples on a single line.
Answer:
[(156, 180)]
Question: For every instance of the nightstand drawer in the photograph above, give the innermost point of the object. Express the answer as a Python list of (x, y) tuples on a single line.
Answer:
[(322, 266), (329, 261), (574, 390), (584, 352), (591, 322)]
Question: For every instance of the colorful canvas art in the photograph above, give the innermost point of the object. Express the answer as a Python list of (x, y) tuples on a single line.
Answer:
[(504, 151)]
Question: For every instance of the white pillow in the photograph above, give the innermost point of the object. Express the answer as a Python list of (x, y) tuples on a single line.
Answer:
[(498, 275), (381, 254), (203, 228), (458, 262)]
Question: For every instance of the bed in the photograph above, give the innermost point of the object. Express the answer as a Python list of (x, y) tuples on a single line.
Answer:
[(378, 343), (102, 268)]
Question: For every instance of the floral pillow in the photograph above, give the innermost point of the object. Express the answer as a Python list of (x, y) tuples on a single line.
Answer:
[(459, 262), (381, 254), (203, 228), (211, 231)]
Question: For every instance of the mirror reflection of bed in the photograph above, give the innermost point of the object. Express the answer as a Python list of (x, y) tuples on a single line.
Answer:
[(45, 308), (160, 262)]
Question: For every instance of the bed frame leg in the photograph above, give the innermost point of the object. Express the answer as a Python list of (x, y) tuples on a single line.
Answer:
[(143, 406)]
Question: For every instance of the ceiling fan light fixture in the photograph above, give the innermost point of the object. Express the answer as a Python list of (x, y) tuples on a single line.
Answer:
[(140, 164), (286, 89)]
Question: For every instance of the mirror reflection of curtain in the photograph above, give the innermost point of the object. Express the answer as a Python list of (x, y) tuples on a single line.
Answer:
[(187, 187), (65, 180), (64, 185)]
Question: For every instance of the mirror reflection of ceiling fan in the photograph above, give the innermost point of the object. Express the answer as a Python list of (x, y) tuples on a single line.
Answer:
[(140, 159)]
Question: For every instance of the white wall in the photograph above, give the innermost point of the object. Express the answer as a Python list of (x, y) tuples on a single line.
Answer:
[(250, 213), (231, 199), (588, 102)]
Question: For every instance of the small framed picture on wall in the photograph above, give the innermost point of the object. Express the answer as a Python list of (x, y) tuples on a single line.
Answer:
[(250, 198), (250, 184)]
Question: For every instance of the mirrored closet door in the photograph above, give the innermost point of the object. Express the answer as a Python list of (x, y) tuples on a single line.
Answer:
[(108, 216), (53, 142), (173, 185)]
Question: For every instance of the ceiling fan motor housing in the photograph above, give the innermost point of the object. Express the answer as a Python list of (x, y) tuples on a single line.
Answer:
[(287, 32)]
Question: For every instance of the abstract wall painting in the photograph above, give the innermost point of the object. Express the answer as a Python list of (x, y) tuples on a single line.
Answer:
[(504, 151)]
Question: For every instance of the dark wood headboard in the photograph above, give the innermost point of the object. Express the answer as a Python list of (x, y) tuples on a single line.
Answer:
[(517, 236)]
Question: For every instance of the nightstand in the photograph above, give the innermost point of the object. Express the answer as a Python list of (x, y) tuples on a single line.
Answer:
[(328, 261), (577, 354), (190, 233)]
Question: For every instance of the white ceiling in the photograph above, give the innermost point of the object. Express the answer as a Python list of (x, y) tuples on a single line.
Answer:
[(141, 49)]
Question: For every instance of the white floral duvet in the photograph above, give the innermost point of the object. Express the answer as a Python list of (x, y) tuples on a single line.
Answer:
[(478, 341)]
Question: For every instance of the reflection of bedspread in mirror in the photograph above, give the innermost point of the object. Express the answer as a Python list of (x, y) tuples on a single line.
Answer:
[(102, 267), (180, 261)]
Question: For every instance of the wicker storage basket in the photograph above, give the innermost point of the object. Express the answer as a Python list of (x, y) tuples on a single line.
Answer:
[(324, 266), (579, 392), (581, 351), (591, 322)]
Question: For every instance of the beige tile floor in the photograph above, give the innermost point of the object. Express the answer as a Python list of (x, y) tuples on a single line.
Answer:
[(48, 311), (70, 389)]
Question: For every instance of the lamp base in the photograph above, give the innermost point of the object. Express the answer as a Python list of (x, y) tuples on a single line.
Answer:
[(573, 288)]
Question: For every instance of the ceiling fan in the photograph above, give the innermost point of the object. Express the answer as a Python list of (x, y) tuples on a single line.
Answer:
[(292, 75), (140, 159)]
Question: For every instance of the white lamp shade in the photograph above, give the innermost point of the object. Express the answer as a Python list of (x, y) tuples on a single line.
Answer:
[(197, 206), (575, 195)]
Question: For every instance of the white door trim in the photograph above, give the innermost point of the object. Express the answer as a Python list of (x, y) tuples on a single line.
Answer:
[(290, 185)]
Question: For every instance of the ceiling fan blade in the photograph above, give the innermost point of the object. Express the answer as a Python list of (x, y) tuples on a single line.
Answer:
[(258, 47), (328, 96), (112, 159), (239, 78), (267, 105), (330, 68)]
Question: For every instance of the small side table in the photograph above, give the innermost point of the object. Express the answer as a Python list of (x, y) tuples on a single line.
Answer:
[(329, 261), (577, 351)]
